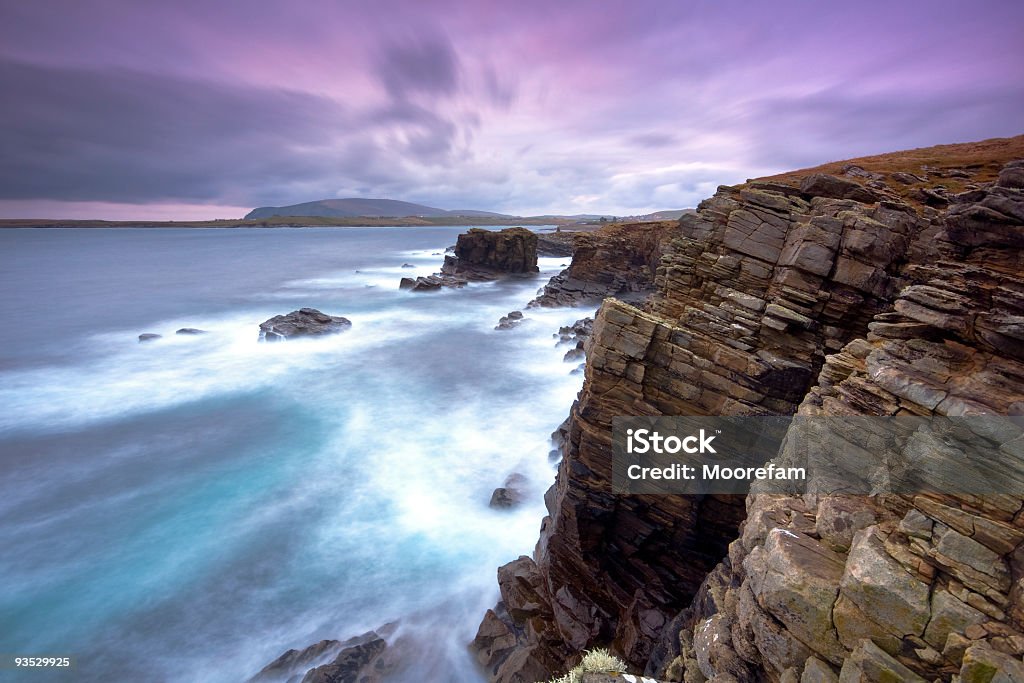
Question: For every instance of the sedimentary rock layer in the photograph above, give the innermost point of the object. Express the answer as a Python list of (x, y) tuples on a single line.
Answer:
[(775, 299)]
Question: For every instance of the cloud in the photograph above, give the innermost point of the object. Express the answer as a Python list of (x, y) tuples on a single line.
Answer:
[(419, 64), (120, 135)]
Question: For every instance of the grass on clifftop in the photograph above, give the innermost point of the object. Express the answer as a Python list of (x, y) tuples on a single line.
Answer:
[(981, 160)]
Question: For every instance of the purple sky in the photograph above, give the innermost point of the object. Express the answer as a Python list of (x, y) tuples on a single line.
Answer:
[(184, 109)]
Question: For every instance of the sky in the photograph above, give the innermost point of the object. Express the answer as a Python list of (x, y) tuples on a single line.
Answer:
[(136, 109)]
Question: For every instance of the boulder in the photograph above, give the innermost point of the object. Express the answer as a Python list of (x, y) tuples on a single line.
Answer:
[(832, 187), (305, 322)]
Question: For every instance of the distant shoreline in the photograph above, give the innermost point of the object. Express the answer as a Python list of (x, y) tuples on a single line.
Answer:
[(288, 222)]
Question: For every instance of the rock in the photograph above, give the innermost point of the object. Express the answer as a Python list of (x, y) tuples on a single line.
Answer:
[(817, 671), (512, 494), (982, 664), (616, 260), (408, 265), (1012, 176), (840, 517), (305, 322), (574, 355), (886, 594), (429, 283), (868, 663), (555, 243), (367, 659), (854, 171), (798, 585), (906, 178), (509, 321), (298, 662), (359, 660), (190, 331), (840, 301), (823, 185), (949, 615), (149, 336), (512, 250)]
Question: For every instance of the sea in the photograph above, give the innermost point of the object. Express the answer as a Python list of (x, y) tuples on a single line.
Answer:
[(189, 508)]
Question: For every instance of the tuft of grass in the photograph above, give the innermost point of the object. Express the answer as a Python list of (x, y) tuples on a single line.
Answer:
[(594, 661)]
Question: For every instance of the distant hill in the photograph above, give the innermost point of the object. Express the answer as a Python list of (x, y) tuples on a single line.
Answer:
[(371, 208)]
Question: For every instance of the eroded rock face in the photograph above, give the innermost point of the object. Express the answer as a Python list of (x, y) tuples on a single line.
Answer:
[(305, 322), (512, 250), (618, 260), (931, 584), (773, 301)]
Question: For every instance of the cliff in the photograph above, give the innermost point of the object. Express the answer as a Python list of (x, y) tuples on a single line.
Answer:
[(879, 291), (618, 260)]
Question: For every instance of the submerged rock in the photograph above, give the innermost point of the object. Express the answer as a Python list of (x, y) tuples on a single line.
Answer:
[(511, 494), (190, 331), (149, 336), (507, 322), (305, 322)]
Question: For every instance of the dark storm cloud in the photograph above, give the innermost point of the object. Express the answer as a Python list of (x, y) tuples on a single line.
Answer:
[(120, 135)]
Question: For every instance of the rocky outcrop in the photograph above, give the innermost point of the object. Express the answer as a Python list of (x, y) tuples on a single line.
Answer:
[(480, 255), (618, 260), (555, 243), (777, 300), (305, 322), (367, 658), (483, 252)]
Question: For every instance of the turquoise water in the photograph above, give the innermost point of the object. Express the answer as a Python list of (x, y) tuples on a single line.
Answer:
[(189, 508)]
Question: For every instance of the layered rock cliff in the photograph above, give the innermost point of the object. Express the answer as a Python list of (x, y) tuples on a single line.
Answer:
[(811, 295)]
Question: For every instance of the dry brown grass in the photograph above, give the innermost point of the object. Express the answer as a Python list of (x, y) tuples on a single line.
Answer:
[(982, 160)]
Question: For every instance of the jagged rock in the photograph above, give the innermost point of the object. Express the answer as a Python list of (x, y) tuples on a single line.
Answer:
[(367, 658), (359, 660), (297, 662), (617, 260), (823, 185), (305, 322), (149, 336)]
